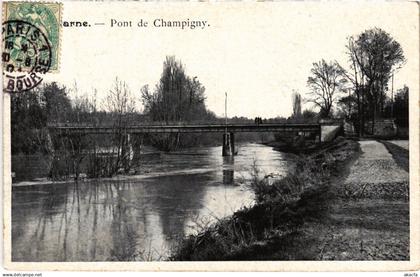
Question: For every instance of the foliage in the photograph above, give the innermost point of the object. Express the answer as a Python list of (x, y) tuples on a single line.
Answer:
[(374, 56), (31, 111), (56, 102), (325, 82), (121, 106), (176, 98), (297, 105), (401, 107), (347, 106), (309, 115)]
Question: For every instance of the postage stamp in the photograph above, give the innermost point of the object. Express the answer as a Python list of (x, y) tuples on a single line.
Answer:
[(44, 16), (26, 55)]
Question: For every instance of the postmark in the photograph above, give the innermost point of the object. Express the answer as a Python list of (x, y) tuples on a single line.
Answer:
[(46, 17), (26, 55)]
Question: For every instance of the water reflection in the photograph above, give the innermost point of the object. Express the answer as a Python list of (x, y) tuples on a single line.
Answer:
[(228, 170), (132, 220)]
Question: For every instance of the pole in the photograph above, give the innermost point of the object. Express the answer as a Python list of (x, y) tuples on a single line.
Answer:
[(226, 113), (349, 103), (392, 95)]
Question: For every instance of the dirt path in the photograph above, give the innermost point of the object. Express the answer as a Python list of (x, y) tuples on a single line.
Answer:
[(375, 166), (368, 219), (371, 220)]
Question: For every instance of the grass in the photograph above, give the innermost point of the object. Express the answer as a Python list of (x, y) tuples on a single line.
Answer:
[(400, 155), (269, 229)]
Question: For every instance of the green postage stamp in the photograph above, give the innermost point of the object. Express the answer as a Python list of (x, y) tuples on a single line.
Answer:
[(45, 16)]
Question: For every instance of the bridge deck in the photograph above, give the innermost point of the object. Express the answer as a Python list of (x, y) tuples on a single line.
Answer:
[(211, 128)]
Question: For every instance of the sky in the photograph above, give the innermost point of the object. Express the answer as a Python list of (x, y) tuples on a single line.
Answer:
[(259, 53)]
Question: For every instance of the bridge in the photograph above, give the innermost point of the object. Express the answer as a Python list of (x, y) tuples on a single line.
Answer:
[(186, 128), (228, 130)]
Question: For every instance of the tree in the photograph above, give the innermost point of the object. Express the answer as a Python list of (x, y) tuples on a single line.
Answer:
[(56, 102), (347, 106), (401, 107), (374, 55), (176, 98), (121, 105), (309, 115), (297, 105), (325, 82), (84, 107), (28, 118), (31, 111), (67, 150)]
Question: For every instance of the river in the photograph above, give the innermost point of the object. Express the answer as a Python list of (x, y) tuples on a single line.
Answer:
[(138, 217)]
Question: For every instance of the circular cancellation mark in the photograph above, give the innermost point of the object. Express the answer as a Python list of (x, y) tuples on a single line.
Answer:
[(26, 56)]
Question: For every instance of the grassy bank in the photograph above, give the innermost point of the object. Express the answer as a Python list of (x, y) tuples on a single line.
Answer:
[(400, 155), (276, 227), (298, 146)]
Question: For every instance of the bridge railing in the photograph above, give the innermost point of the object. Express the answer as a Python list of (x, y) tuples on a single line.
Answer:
[(177, 124), (209, 128)]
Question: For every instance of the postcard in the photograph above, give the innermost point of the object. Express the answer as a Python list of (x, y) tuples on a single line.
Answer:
[(210, 136)]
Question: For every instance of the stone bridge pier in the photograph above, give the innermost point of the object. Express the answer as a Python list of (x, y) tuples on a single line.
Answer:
[(228, 148), (127, 152)]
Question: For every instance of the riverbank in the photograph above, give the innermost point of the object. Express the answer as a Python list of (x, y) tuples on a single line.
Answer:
[(273, 227), (296, 147), (321, 212)]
